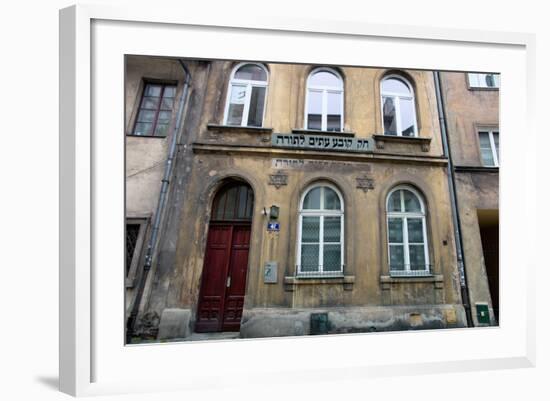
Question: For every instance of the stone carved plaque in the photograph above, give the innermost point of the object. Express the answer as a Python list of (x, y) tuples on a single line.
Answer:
[(365, 183), (278, 179)]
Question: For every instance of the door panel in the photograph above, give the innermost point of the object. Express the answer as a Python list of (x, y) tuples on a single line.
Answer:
[(211, 298), (223, 282), (238, 265)]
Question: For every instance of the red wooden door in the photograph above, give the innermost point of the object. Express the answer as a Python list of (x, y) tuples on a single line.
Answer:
[(223, 283)]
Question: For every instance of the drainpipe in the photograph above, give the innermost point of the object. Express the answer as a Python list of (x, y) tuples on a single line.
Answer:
[(168, 168), (454, 201)]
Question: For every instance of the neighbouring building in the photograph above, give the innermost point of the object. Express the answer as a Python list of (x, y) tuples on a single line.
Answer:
[(472, 111), (283, 199)]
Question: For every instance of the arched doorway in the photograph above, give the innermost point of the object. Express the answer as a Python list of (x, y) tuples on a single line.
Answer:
[(223, 281)]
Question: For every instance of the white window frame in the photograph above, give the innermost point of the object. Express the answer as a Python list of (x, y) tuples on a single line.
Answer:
[(397, 101), (407, 272), (491, 132), (320, 213), (249, 84), (325, 90), (477, 80)]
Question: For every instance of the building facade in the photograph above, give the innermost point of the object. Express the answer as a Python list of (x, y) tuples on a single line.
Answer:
[(472, 113), (284, 199)]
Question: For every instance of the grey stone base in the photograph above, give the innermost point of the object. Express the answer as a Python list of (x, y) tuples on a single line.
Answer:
[(277, 322), (174, 323)]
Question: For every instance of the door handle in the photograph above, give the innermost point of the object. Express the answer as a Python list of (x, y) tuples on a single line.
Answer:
[(228, 282)]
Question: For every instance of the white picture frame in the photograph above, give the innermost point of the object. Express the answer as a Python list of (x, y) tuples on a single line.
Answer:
[(93, 358)]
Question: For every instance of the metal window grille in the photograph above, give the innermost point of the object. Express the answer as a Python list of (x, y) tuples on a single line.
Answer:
[(132, 232)]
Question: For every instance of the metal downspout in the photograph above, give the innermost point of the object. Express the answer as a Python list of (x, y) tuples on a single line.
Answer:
[(452, 189), (152, 244)]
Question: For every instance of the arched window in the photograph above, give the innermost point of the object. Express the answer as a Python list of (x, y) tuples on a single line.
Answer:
[(398, 111), (321, 232), (325, 100), (407, 239), (246, 96), (233, 202)]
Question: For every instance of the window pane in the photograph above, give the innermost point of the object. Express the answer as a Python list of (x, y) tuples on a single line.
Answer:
[(150, 103), (332, 201), (132, 232), (313, 199), (256, 110), (241, 212), (408, 118), (161, 129), (236, 105), (314, 110), (495, 140), (164, 117), (485, 147), (231, 204), (143, 129), (251, 72), (334, 107), (388, 109), (474, 79), (167, 104), (146, 116), (332, 227), (395, 85), (310, 258), (325, 78), (310, 228), (397, 260), (414, 228), (490, 80), (152, 90), (394, 203), (332, 258), (412, 204), (395, 230), (169, 92), (416, 256)]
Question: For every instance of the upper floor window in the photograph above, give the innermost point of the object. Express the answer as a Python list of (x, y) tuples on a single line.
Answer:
[(398, 110), (488, 144), (155, 110), (482, 80), (325, 100), (246, 96), (321, 232), (407, 239)]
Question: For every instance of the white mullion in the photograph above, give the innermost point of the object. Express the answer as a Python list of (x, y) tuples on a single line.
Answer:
[(244, 119), (321, 228), (321, 243), (406, 244), (425, 239), (324, 107)]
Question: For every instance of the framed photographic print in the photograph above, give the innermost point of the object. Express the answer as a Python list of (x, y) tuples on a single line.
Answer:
[(295, 198)]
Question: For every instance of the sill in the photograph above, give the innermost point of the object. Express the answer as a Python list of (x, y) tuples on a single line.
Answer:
[(380, 141), (477, 169), (481, 88), (239, 129), (387, 281), (147, 136), (290, 282), (304, 131)]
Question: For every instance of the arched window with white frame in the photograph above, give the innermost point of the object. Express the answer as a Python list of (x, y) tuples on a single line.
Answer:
[(407, 237), (245, 105), (321, 232), (324, 100), (398, 109)]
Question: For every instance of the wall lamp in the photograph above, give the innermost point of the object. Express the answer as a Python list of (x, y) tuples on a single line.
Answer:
[(273, 212)]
